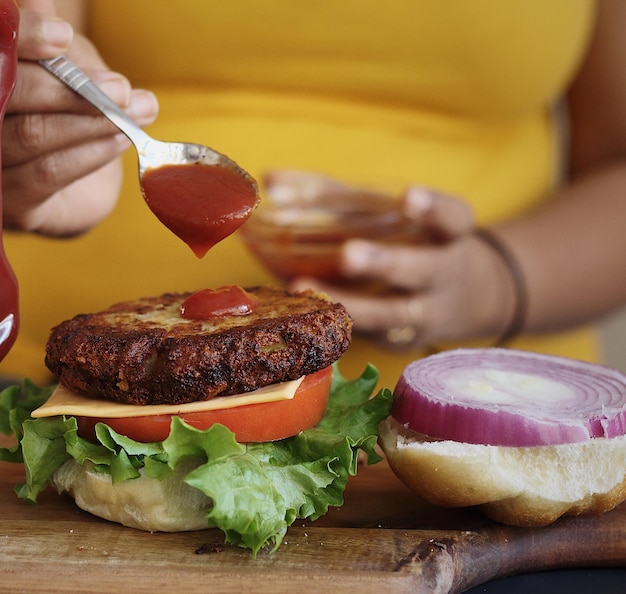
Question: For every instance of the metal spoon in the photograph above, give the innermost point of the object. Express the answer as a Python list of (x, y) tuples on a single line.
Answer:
[(151, 153), (203, 206)]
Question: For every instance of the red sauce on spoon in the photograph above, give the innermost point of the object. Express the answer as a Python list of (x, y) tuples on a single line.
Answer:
[(201, 204), (9, 20)]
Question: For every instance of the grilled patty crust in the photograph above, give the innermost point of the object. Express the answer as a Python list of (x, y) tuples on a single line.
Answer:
[(145, 352)]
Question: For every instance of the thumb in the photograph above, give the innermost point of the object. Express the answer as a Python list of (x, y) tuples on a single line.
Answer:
[(42, 35)]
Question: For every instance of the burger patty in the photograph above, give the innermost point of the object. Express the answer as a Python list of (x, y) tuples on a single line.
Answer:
[(145, 352)]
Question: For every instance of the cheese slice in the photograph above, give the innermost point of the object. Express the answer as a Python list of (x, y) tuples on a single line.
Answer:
[(64, 401)]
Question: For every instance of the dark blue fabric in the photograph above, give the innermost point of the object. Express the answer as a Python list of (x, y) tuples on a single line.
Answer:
[(567, 581)]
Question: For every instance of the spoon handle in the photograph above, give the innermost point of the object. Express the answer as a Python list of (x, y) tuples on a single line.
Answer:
[(68, 73)]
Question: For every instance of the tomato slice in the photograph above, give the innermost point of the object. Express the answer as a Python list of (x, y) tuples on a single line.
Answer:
[(267, 421)]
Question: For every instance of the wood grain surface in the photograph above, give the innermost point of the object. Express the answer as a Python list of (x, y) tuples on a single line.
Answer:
[(382, 540)]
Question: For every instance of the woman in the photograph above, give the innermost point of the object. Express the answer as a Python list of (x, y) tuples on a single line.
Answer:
[(467, 99)]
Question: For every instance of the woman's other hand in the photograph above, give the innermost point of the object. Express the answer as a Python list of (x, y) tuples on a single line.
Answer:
[(450, 286)]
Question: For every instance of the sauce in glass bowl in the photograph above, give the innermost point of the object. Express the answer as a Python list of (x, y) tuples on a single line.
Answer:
[(306, 239)]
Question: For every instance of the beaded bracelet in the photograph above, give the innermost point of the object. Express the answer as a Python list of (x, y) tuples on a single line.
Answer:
[(518, 320)]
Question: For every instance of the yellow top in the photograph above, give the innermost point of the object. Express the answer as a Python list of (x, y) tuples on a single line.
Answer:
[(452, 94)]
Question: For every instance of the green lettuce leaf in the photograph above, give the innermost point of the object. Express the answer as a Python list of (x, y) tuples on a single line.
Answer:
[(16, 404), (256, 490)]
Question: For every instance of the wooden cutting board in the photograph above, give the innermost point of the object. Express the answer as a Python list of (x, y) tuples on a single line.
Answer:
[(382, 540)]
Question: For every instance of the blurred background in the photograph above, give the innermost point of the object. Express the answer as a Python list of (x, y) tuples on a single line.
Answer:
[(614, 335)]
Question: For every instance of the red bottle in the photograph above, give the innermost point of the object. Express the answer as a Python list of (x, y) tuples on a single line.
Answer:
[(9, 20)]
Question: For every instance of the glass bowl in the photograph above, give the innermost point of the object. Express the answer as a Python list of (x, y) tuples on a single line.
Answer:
[(305, 239)]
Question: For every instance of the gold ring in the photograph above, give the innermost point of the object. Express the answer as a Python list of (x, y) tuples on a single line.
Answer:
[(406, 335)]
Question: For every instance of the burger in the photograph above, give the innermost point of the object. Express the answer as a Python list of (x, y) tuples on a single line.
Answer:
[(219, 408)]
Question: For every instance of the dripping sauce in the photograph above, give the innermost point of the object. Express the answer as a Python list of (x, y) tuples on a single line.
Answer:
[(201, 204)]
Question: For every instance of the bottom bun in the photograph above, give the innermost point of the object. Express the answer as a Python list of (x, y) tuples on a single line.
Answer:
[(531, 486), (168, 505)]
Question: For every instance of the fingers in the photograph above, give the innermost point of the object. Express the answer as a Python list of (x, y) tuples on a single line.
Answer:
[(37, 90), (143, 107), (378, 315), (28, 186), (47, 6), (404, 295), (59, 150), (42, 36), (30, 135), (77, 207), (407, 268), (443, 220), (443, 217), (395, 320), (61, 174)]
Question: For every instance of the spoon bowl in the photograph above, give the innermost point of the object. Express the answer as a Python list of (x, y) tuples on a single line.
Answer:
[(201, 213)]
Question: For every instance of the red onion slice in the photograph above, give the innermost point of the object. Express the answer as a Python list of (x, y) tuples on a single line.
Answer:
[(506, 397)]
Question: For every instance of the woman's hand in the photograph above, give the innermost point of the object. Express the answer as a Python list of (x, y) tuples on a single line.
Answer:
[(60, 169), (450, 286)]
